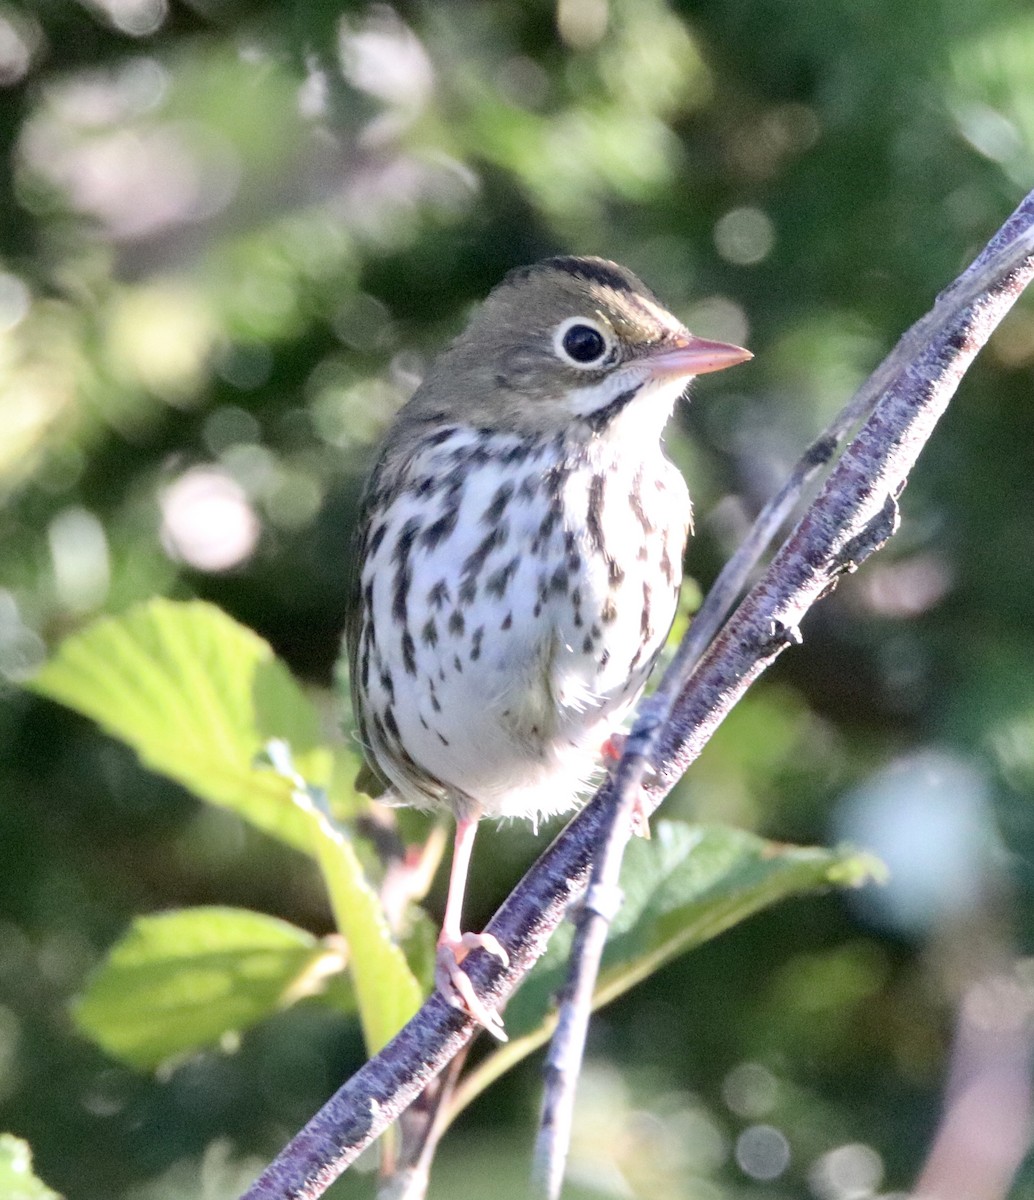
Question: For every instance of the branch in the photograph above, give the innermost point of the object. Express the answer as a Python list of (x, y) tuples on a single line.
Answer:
[(853, 514), (917, 379), (902, 399)]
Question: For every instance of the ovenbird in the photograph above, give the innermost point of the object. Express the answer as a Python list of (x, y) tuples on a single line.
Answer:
[(519, 556)]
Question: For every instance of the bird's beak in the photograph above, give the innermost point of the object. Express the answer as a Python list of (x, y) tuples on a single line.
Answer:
[(695, 356)]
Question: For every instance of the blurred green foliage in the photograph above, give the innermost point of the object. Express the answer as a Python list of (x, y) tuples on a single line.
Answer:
[(17, 1182), (231, 234)]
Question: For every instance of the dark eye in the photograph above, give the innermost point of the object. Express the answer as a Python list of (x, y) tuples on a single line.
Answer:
[(584, 344)]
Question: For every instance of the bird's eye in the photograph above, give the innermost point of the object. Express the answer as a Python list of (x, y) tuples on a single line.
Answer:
[(581, 343)]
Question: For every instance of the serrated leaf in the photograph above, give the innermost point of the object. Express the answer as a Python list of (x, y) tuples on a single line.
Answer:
[(17, 1182), (197, 696), (182, 981), (203, 700), (684, 886), (387, 991), (688, 884)]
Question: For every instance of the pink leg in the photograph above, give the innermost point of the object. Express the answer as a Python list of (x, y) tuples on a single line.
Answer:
[(454, 945), (463, 846)]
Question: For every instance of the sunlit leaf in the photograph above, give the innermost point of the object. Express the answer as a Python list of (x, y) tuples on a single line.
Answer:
[(684, 886), (182, 981), (203, 700), (17, 1181), (387, 991), (197, 696)]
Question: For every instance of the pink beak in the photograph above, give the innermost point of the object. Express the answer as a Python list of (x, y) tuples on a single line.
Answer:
[(696, 356)]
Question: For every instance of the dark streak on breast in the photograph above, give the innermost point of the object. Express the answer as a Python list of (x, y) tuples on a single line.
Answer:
[(403, 572), (408, 652)]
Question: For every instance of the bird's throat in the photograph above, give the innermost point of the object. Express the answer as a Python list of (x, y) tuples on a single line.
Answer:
[(601, 418)]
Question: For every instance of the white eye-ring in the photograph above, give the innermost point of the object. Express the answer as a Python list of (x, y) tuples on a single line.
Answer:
[(582, 342)]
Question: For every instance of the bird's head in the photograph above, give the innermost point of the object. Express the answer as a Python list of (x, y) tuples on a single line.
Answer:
[(564, 345)]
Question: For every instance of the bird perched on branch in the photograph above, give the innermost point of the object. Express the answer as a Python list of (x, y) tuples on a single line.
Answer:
[(519, 557)]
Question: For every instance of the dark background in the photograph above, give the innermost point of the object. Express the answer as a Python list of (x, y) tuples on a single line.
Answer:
[(230, 236)]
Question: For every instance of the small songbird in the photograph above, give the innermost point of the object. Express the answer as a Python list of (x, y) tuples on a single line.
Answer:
[(519, 557)]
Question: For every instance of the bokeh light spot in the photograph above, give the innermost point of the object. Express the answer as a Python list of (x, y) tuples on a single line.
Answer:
[(230, 426), (207, 520), (19, 38), (581, 23), (138, 18), (22, 651), (762, 1152), (80, 559), (14, 302), (851, 1172), (750, 1090), (744, 236), (718, 317), (161, 337)]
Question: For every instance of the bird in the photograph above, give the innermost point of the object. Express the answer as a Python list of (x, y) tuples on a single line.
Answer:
[(518, 559)]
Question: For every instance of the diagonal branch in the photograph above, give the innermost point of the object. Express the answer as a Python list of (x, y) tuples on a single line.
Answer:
[(902, 401), (854, 514)]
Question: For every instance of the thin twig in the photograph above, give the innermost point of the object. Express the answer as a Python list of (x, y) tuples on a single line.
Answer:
[(602, 900), (422, 1125), (852, 515)]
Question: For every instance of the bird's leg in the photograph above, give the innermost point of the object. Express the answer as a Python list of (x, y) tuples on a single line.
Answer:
[(454, 945), (612, 750)]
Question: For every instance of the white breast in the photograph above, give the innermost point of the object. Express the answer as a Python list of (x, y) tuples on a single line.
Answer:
[(517, 615)]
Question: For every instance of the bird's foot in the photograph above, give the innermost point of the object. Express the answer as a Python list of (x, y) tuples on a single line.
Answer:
[(454, 983), (612, 750), (614, 747)]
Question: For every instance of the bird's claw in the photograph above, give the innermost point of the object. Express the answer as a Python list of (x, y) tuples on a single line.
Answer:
[(455, 985)]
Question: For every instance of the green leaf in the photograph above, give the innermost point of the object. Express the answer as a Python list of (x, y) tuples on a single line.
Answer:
[(203, 700), (690, 883), (17, 1182), (387, 991), (684, 886), (185, 980), (197, 696)]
